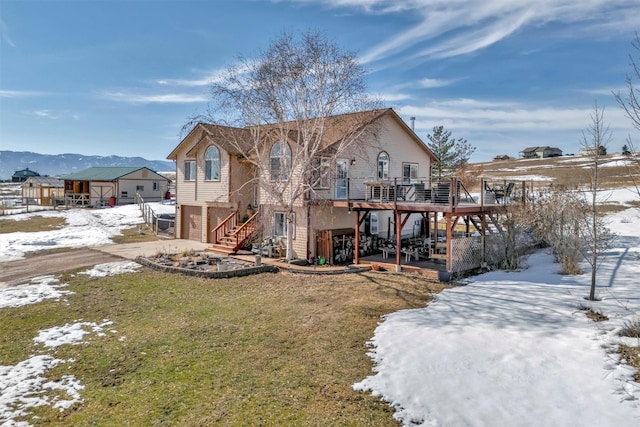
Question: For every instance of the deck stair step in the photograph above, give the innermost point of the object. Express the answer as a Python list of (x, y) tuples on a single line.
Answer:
[(231, 235)]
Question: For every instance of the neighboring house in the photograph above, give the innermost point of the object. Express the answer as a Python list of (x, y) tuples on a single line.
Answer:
[(379, 190), (590, 151), (23, 175), (540, 152), (42, 190), (114, 185)]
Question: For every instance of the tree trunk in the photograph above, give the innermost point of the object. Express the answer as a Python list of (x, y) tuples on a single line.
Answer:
[(290, 226)]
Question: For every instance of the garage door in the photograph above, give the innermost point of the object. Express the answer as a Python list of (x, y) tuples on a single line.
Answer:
[(191, 222)]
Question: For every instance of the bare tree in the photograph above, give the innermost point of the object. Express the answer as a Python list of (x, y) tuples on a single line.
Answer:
[(596, 236), (629, 100), (286, 112)]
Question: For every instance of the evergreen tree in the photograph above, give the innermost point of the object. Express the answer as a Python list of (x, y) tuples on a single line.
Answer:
[(452, 154)]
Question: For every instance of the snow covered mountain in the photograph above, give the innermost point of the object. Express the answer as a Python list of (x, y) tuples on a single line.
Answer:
[(63, 164)]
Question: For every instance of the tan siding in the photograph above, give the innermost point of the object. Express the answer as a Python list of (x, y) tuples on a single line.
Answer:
[(401, 149), (213, 191)]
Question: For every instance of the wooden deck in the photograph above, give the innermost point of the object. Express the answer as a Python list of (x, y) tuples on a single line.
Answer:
[(415, 206)]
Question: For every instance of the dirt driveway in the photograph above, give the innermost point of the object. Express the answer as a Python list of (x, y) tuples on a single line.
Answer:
[(13, 272), (21, 270)]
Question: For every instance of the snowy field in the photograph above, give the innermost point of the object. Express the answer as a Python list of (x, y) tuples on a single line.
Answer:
[(515, 348), (84, 228), (506, 349)]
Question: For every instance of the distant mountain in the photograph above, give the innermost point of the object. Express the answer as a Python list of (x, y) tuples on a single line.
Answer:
[(64, 164)]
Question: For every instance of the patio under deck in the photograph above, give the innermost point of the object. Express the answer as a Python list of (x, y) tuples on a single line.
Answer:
[(450, 212), (424, 267)]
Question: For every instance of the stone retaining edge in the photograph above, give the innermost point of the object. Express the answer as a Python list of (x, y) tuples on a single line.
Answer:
[(208, 274)]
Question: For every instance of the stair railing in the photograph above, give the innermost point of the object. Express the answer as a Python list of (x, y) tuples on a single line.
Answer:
[(247, 229), (226, 226)]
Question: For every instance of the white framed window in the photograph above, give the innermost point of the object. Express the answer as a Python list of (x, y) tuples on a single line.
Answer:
[(280, 224), (383, 165), (280, 161), (156, 186), (373, 223), (139, 187), (124, 194), (320, 170), (190, 170), (212, 164), (409, 173)]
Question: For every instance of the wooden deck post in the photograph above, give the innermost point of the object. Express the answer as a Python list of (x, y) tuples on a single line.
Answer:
[(449, 237), (398, 224), (356, 244)]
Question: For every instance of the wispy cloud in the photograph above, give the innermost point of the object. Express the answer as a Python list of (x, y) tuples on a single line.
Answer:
[(433, 83), (607, 91), (393, 97), (474, 116), (464, 26), (169, 98), (42, 113), (20, 93), (56, 115), (205, 80), (4, 31)]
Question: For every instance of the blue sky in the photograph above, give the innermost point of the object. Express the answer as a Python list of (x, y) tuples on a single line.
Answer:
[(122, 77)]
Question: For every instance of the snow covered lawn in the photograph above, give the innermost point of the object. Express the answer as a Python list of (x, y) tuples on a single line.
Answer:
[(24, 386), (84, 228), (516, 349)]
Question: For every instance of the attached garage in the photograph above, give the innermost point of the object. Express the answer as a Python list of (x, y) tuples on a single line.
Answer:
[(191, 222)]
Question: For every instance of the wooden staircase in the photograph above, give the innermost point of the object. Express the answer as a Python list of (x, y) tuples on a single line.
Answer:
[(231, 234)]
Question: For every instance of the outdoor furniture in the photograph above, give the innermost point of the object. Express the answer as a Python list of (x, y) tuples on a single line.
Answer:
[(420, 193), (441, 195), (502, 193), (386, 250), (379, 191)]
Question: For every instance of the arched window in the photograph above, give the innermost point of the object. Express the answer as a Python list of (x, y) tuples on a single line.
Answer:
[(383, 165), (280, 161), (212, 164)]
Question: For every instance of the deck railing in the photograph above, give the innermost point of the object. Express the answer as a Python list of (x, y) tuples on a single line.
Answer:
[(450, 191)]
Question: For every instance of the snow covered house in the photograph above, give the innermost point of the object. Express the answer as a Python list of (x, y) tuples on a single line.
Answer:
[(114, 185), (375, 194)]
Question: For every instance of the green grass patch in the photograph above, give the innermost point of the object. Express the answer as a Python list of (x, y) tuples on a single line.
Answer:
[(33, 224), (135, 234), (271, 349)]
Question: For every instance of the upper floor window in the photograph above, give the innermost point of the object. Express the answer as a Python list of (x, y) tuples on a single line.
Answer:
[(190, 170), (383, 165), (320, 172), (212, 164), (409, 173), (280, 161)]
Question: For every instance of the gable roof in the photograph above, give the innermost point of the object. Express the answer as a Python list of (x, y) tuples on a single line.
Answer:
[(336, 128), (45, 181), (25, 172), (105, 173)]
